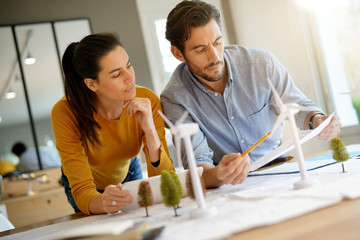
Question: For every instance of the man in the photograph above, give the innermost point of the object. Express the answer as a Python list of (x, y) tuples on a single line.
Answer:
[(226, 92), (28, 158)]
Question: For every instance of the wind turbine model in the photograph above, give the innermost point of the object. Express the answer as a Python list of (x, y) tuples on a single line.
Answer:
[(184, 131), (289, 110)]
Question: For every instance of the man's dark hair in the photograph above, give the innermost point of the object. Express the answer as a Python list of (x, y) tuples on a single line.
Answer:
[(187, 15), (18, 148)]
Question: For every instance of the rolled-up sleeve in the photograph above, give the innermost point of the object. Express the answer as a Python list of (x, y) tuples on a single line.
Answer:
[(288, 92)]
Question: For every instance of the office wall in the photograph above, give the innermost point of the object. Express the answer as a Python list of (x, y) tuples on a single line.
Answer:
[(109, 15), (273, 25)]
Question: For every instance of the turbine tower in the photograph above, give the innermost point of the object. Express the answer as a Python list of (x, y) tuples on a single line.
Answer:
[(289, 110), (184, 131)]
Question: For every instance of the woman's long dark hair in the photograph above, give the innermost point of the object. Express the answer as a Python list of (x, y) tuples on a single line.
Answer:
[(80, 61)]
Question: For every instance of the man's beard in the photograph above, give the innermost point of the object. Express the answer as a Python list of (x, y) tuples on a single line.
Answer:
[(211, 79), (196, 71)]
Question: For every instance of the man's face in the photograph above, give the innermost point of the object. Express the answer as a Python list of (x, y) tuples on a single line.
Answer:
[(204, 52)]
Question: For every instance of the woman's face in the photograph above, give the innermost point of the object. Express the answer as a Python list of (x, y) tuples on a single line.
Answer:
[(116, 79)]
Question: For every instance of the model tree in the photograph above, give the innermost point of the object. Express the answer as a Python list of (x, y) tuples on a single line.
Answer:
[(145, 196), (340, 152), (189, 185), (179, 188), (169, 191)]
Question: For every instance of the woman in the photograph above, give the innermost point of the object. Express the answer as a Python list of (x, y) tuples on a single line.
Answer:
[(101, 124)]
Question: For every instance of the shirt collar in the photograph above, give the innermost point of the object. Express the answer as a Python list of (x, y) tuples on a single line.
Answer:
[(230, 74), (195, 80)]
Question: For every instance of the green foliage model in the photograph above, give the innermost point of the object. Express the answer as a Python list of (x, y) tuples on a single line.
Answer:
[(177, 183), (169, 190), (340, 152), (145, 196)]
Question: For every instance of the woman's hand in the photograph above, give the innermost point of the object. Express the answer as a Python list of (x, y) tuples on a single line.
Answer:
[(141, 107), (114, 198)]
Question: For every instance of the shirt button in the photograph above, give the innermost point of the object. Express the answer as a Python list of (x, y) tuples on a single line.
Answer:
[(232, 117), (216, 94), (242, 141)]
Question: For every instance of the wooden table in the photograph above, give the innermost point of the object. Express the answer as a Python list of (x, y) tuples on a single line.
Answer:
[(44, 223), (341, 221)]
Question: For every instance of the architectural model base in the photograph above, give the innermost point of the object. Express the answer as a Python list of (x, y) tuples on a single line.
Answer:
[(306, 183), (203, 212)]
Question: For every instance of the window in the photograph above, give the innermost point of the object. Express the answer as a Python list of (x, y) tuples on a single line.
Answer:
[(337, 29), (169, 61)]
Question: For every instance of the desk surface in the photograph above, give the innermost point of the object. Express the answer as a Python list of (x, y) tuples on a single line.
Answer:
[(339, 221)]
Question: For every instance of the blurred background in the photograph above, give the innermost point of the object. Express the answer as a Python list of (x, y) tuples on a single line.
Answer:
[(317, 41)]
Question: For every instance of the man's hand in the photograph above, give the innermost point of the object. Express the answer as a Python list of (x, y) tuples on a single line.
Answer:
[(233, 169), (331, 130)]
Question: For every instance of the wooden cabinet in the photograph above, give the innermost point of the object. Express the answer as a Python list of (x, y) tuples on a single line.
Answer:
[(42, 206), (48, 200)]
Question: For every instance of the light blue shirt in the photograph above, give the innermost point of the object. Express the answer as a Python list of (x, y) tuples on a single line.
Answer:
[(232, 122)]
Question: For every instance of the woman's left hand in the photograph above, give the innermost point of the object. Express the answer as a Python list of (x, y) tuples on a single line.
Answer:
[(141, 107), (114, 198)]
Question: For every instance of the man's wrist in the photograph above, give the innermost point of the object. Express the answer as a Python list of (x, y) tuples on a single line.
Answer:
[(311, 120)]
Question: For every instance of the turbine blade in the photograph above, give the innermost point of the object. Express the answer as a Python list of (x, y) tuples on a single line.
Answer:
[(275, 93), (352, 93), (182, 118), (279, 120), (166, 119)]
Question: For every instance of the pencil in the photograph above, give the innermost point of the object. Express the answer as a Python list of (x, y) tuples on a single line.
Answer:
[(255, 144)]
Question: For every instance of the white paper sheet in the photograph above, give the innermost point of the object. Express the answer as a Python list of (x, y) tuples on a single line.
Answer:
[(91, 230), (5, 224), (293, 167), (304, 136), (333, 182)]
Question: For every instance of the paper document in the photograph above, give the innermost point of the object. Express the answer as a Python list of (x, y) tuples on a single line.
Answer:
[(293, 167), (304, 136), (98, 230), (5, 224)]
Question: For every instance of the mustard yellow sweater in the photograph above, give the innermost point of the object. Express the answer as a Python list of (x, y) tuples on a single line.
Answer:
[(107, 164)]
